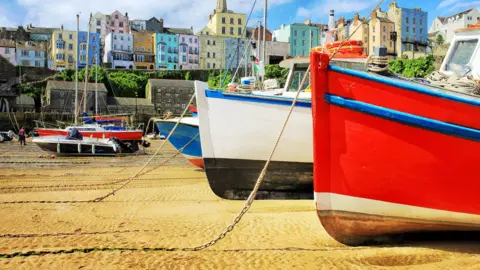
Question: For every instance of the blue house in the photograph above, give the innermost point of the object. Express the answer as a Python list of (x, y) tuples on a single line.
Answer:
[(234, 50), (166, 51), (414, 29), (93, 52), (31, 54)]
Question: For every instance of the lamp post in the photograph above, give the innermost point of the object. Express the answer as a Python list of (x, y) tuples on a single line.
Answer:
[(136, 115), (393, 37)]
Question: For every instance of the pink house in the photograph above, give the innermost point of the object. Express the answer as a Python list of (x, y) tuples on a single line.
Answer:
[(8, 51), (118, 23), (188, 51)]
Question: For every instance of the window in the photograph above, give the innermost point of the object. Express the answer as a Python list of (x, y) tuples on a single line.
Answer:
[(239, 31), (169, 39), (136, 49), (231, 30), (121, 47), (115, 37), (84, 38), (213, 55), (60, 36), (407, 29), (303, 33), (7, 50), (112, 23), (208, 65), (190, 40), (70, 58), (374, 38), (406, 19), (99, 23), (37, 63), (60, 45), (208, 54), (231, 21), (94, 38), (83, 58), (70, 36), (239, 21), (184, 59), (184, 49), (116, 17), (196, 40), (462, 54), (303, 42), (114, 46), (120, 24), (294, 33), (143, 49), (421, 22), (94, 47), (295, 42), (99, 31), (223, 29), (414, 20), (208, 42), (421, 31), (214, 43), (374, 29), (70, 47), (60, 56), (24, 52), (149, 50), (384, 38), (120, 31), (414, 30), (391, 44), (223, 20), (213, 65), (384, 28), (121, 37)]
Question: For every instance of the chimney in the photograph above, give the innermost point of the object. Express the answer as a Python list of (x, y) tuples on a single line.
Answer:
[(61, 27), (374, 15), (341, 21), (126, 14), (307, 21), (356, 17)]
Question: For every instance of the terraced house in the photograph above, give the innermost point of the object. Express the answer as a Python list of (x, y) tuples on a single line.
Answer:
[(93, 50), (64, 49), (31, 53), (8, 50), (188, 51), (166, 51), (224, 22), (118, 52), (144, 52), (212, 51)]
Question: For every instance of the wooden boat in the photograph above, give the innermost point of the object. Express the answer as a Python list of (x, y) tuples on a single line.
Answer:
[(186, 131), (238, 130), (394, 157)]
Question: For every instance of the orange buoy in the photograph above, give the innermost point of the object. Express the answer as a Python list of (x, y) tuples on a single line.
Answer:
[(53, 156)]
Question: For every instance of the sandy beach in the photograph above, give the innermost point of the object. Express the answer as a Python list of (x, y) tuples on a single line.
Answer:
[(144, 225)]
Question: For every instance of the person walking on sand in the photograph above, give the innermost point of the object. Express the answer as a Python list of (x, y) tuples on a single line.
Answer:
[(21, 135)]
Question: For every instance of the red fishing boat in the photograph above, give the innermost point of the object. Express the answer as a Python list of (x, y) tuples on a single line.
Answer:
[(392, 156)]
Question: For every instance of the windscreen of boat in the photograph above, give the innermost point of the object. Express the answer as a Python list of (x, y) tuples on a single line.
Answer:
[(297, 78), (463, 52)]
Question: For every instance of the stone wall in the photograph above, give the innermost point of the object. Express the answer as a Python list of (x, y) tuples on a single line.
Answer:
[(170, 95)]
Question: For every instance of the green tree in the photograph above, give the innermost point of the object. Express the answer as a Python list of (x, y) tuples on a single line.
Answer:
[(276, 72), (440, 40)]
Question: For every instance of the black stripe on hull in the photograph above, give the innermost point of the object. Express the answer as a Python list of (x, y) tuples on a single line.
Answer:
[(72, 149), (234, 179)]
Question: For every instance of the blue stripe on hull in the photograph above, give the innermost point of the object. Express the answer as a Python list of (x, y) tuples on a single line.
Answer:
[(182, 135), (277, 100), (411, 86), (405, 118)]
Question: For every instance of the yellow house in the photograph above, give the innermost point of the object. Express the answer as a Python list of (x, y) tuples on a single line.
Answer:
[(64, 49), (212, 52), (379, 33), (144, 49), (358, 30), (224, 22)]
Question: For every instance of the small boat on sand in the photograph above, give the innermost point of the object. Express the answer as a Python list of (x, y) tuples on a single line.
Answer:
[(185, 135), (395, 157)]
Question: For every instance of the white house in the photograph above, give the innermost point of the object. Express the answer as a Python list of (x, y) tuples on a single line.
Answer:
[(446, 26), (119, 51)]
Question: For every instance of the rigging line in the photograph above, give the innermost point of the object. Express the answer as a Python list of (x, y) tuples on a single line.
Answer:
[(222, 82)]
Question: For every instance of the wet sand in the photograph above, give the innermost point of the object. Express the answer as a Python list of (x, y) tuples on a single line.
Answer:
[(171, 207)]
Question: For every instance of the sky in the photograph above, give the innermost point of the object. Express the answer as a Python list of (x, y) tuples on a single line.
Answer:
[(194, 13)]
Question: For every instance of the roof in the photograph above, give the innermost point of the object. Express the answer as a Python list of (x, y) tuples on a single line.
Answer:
[(125, 101), (433, 34), (25, 100), (166, 82), (7, 43), (41, 30), (384, 20), (70, 86), (460, 14), (184, 31), (32, 46)]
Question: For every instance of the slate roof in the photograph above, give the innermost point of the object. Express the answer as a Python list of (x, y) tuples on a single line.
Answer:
[(70, 86), (125, 101), (184, 31)]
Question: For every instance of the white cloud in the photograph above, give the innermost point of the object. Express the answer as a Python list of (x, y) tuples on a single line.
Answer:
[(6, 21), (319, 11), (446, 3), (176, 13), (464, 5)]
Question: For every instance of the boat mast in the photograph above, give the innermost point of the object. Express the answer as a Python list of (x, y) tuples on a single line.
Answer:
[(264, 47), (76, 77), (86, 67), (96, 84)]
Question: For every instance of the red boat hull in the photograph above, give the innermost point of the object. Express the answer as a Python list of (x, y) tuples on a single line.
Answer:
[(122, 135), (392, 157)]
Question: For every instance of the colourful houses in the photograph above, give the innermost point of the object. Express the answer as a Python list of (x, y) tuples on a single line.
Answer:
[(8, 50), (64, 49), (166, 51), (224, 22), (93, 50), (118, 51), (188, 51), (301, 36), (144, 50)]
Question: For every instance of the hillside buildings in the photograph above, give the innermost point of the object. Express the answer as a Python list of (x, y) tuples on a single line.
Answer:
[(445, 26), (119, 51)]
